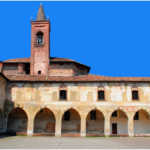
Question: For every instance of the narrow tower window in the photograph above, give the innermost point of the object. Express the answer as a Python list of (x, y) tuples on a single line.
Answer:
[(39, 72), (39, 36)]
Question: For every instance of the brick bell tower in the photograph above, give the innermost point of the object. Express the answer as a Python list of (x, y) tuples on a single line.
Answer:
[(40, 45)]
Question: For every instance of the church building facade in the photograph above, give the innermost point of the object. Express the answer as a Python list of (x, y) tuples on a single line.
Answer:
[(52, 96)]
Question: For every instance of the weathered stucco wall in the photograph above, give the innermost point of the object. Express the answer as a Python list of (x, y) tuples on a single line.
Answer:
[(83, 92), (83, 98)]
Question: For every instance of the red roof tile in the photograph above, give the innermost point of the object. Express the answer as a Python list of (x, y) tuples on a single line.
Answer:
[(28, 59), (83, 78)]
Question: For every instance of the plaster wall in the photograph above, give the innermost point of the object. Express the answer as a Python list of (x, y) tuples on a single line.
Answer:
[(122, 123), (142, 126), (83, 92)]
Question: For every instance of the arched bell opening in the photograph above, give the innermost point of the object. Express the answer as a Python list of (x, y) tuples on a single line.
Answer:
[(17, 121), (118, 122), (44, 121), (141, 121), (71, 122), (95, 122)]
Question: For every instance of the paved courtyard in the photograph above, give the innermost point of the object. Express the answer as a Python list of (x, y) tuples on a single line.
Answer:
[(19, 142)]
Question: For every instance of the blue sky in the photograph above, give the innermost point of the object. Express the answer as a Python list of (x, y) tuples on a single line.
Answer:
[(113, 38)]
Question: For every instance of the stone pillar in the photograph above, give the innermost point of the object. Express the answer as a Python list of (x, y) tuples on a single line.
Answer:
[(30, 127), (58, 127), (107, 126), (130, 127), (83, 126)]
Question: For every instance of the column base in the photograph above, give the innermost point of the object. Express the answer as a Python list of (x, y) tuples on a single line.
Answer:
[(83, 134), (29, 133), (57, 134), (107, 134), (131, 135)]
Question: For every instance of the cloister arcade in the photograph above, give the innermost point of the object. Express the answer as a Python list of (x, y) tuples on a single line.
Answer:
[(45, 121)]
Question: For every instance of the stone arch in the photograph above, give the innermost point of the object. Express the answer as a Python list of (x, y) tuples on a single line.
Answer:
[(95, 121), (141, 121), (71, 121), (69, 107), (17, 120), (95, 107), (119, 121), (44, 121)]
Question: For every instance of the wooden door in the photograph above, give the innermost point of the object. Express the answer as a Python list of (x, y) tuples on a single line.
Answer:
[(114, 128)]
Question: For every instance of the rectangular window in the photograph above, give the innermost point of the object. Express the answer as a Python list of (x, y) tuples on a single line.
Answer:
[(63, 94), (93, 115), (136, 116), (101, 95), (114, 114), (67, 116), (134, 95)]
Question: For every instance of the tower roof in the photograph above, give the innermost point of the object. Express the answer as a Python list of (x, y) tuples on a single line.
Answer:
[(40, 15)]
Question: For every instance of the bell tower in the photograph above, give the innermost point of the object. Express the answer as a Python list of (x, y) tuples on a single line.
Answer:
[(40, 45)]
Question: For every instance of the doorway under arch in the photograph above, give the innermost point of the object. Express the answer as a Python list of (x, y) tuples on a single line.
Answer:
[(95, 122), (118, 122)]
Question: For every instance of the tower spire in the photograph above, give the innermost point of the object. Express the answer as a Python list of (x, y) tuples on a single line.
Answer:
[(40, 15)]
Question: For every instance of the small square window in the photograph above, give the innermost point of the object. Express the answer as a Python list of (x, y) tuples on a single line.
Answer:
[(93, 115), (136, 116), (114, 114), (101, 95), (134, 95), (67, 116)]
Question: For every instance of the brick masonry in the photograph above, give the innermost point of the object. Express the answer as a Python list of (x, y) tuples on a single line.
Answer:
[(70, 135)]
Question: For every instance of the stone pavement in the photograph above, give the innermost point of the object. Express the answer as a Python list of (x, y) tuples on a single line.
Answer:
[(74, 143)]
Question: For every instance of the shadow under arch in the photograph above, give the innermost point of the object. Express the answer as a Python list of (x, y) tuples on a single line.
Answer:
[(1, 120), (71, 121), (141, 122), (95, 121), (118, 122), (17, 121), (44, 121)]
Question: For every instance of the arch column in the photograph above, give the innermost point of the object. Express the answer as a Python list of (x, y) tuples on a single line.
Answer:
[(58, 124), (30, 127), (107, 125), (83, 126), (130, 125)]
